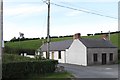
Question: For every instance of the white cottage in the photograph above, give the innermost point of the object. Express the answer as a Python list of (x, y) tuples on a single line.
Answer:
[(81, 51), (58, 50)]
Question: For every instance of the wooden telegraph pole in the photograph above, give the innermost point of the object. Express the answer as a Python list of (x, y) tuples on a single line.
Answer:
[(1, 36), (48, 30)]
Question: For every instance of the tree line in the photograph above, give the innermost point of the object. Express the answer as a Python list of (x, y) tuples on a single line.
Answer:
[(22, 39)]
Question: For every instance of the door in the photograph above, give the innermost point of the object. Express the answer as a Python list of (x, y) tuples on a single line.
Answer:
[(52, 55), (103, 58)]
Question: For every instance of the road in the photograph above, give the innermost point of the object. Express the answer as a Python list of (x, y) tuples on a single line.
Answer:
[(101, 71)]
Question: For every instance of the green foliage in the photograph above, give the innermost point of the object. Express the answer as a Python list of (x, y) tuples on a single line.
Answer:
[(7, 58), (40, 57), (22, 39), (12, 50), (21, 69)]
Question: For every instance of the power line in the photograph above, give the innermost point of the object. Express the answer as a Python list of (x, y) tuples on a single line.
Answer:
[(80, 10), (45, 1), (84, 11), (69, 4)]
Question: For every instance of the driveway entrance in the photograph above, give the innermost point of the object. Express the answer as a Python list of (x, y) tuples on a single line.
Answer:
[(101, 71)]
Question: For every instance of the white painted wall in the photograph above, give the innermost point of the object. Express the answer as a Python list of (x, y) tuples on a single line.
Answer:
[(44, 54), (50, 55), (30, 56), (62, 60), (77, 53), (25, 55)]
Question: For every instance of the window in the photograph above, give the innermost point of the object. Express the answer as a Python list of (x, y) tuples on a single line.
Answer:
[(95, 57), (111, 57), (59, 54)]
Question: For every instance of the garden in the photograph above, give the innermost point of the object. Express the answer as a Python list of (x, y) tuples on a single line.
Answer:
[(23, 68)]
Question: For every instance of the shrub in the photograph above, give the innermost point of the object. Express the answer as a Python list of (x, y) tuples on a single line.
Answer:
[(12, 50), (21, 69), (8, 58)]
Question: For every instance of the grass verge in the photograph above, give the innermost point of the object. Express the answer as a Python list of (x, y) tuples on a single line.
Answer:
[(52, 76)]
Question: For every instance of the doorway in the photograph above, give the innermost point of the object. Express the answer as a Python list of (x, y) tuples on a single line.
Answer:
[(52, 55), (104, 58)]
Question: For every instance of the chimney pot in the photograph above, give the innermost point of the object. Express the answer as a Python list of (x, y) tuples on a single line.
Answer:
[(77, 36), (105, 36)]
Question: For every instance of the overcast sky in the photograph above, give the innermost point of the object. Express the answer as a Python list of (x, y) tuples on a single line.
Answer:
[(30, 17)]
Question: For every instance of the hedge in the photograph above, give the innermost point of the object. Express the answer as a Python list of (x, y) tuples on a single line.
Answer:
[(8, 58), (13, 50), (19, 70)]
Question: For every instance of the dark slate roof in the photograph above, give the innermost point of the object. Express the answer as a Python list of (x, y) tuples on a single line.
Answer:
[(89, 43), (57, 46), (97, 43)]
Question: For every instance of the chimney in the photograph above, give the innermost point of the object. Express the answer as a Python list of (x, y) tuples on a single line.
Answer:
[(105, 36), (77, 36)]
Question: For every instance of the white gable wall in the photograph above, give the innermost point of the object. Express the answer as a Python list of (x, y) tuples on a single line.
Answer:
[(77, 54)]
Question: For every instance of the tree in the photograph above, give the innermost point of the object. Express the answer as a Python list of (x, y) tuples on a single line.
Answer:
[(13, 39), (21, 35), (42, 37)]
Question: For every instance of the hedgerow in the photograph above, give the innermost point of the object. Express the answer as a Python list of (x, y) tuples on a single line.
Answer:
[(21, 69)]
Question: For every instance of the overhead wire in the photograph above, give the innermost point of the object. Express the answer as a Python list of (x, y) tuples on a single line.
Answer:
[(84, 11), (75, 6), (80, 10)]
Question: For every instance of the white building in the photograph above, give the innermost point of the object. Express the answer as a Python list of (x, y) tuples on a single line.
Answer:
[(82, 51)]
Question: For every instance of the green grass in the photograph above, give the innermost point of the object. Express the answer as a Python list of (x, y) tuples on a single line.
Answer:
[(61, 39), (55, 76), (35, 44), (31, 44)]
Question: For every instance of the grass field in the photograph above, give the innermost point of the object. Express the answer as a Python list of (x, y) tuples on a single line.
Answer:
[(31, 44), (35, 44)]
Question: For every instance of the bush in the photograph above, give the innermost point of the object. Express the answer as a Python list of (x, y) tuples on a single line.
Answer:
[(12, 50), (22, 39), (8, 58), (22, 69)]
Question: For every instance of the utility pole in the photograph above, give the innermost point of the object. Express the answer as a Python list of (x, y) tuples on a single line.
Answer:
[(109, 35), (19, 42), (48, 30), (1, 36)]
